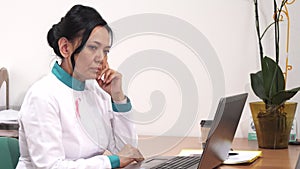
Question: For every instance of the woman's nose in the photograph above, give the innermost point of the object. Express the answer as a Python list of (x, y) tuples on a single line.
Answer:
[(99, 57), (102, 61)]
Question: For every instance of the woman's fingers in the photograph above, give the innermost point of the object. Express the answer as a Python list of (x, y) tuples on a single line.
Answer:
[(129, 154), (106, 68), (109, 75)]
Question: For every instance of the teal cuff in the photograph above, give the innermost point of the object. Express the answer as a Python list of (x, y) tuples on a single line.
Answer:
[(121, 107), (114, 161)]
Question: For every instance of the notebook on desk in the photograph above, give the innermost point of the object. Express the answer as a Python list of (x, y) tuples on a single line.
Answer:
[(218, 142)]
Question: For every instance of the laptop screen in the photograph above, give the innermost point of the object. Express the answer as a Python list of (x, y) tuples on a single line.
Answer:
[(222, 132)]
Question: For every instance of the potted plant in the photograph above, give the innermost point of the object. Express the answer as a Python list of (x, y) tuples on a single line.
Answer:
[(273, 115)]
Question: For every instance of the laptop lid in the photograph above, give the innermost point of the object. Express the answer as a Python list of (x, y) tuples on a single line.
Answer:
[(222, 131), (298, 163)]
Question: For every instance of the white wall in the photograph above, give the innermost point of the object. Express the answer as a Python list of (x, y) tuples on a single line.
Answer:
[(227, 27)]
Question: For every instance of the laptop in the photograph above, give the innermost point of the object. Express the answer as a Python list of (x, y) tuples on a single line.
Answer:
[(218, 143), (298, 163)]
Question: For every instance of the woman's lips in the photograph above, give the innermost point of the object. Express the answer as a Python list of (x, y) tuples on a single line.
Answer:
[(95, 70)]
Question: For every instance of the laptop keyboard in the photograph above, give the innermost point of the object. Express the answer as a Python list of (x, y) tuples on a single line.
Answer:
[(179, 162)]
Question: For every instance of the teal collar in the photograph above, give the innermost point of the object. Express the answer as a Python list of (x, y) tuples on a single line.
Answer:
[(67, 79)]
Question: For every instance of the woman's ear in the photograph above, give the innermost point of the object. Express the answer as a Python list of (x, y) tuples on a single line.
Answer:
[(65, 47)]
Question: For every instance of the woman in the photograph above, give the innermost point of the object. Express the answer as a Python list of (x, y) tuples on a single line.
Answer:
[(70, 117)]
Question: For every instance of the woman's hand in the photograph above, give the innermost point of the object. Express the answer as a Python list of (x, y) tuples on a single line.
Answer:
[(129, 154), (111, 82)]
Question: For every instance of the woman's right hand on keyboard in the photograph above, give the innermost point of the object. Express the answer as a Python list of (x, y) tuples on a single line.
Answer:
[(129, 154)]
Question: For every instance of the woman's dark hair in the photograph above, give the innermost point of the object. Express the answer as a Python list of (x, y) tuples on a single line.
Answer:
[(79, 22)]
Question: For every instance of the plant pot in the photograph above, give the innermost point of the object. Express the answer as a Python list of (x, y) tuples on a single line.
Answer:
[(273, 126)]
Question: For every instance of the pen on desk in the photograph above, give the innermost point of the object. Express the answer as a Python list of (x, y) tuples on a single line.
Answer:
[(233, 154)]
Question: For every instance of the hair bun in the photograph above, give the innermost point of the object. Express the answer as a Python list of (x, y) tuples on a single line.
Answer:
[(53, 36)]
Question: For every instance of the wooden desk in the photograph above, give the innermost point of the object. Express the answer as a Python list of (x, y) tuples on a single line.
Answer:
[(271, 159), (169, 146)]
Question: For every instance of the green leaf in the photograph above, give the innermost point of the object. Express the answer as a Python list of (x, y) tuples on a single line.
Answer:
[(283, 96), (257, 85), (273, 80)]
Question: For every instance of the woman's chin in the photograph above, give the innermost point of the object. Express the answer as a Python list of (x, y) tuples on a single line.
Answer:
[(95, 76)]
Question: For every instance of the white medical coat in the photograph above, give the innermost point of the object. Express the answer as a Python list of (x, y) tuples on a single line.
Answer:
[(55, 131)]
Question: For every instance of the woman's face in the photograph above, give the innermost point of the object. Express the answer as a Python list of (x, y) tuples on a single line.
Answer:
[(92, 59)]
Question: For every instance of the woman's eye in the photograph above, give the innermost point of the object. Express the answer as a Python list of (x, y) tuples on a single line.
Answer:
[(106, 51), (93, 47)]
